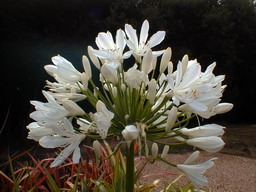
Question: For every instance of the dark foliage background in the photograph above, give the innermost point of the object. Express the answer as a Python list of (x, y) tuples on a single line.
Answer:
[(33, 31)]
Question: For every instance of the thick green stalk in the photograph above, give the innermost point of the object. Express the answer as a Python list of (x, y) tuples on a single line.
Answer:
[(130, 168)]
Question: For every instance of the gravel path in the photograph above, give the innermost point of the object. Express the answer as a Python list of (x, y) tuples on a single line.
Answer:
[(229, 174)]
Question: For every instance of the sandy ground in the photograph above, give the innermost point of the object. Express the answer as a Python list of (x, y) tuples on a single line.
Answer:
[(229, 174), (234, 170)]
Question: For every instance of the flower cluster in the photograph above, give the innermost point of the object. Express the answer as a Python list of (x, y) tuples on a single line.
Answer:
[(147, 101)]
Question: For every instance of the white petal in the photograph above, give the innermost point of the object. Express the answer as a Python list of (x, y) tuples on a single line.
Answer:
[(76, 155), (87, 66), (120, 40), (93, 58), (53, 141), (144, 32), (131, 33), (156, 39)]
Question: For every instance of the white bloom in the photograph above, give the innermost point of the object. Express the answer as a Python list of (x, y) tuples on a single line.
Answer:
[(199, 91), (110, 51), (133, 77), (146, 65), (49, 113), (195, 172), (102, 119), (65, 137), (36, 132), (130, 133), (204, 131), (210, 144), (63, 70), (141, 46)]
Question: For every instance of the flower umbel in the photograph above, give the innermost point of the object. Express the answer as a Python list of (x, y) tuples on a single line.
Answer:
[(149, 101)]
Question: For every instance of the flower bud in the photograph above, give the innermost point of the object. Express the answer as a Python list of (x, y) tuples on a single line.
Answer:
[(172, 116), (97, 148), (223, 108), (130, 133), (154, 150), (165, 151), (165, 60), (73, 108), (87, 67), (210, 144), (146, 62), (152, 90)]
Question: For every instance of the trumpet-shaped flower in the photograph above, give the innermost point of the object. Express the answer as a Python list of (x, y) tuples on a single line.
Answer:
[(111, 52), (195, 172), (36, 132), (49, 113), (140, 46), (65, 136), (63, 70), (134, 77)]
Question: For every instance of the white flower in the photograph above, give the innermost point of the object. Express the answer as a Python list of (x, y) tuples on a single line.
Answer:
[(204, 131), (141, 46), (130, 133), (199, 91), (210, 144), (36, 132), (133, 77), (65, 137), (49, 113), (110, 51), (195, 172), (102, 119), (63, 70)]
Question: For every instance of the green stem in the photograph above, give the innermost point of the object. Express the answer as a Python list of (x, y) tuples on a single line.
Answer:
[(130, 167)]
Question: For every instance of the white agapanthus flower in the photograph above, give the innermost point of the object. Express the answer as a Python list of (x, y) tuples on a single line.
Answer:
[(63, 70), (36, 131), (139, 46), (194, 172), (65, 136), (200, 92), (49, 113), (111, 52), (134, 77)]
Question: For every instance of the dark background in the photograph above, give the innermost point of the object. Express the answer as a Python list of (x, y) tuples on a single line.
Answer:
[(32, 31)]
